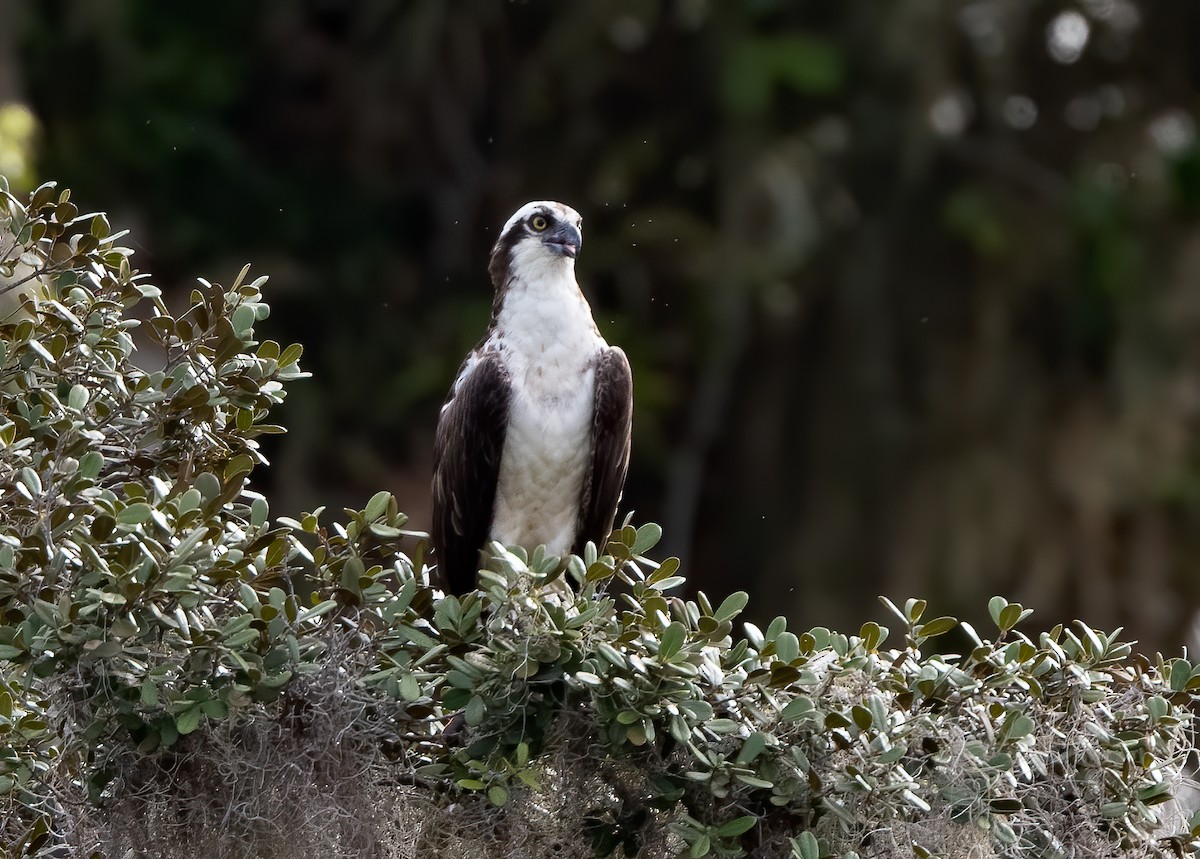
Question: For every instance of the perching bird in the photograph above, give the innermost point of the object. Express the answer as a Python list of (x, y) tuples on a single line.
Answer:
[(533, 442)]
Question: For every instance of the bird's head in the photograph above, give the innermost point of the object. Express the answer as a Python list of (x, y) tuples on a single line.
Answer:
[(540, 238)]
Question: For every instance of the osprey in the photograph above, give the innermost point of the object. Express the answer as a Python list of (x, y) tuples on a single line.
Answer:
[(532, 444)]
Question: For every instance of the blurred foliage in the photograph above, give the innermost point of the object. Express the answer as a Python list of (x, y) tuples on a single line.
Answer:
[(17, 132), (183, 676), (909, 289)]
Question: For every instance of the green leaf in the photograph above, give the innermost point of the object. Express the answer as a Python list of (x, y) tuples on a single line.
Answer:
[(352, 573), (806, 847), (497, 796), (752, 747), (995, 606), (377, 506), (410, 689), (699, 710), (30, 479), (242, 319), (476, 710), (385, 532), (610, 654), (937, 626), (737, 826), (797, 708), (1112, 810), (647, 538), (275, 681), (677, 727), (149, 693), (775, 628), (787, 647), (665, 570), (215, 709), (237, 466), (1010, 616), (323, 607), (208, 485), (732, 606), (78, 397), (1019, 725), (417, 637), (872, 635), (259, 511), (672, 640), (1181, 673), (291, 355), (188, 720), (135, 514)]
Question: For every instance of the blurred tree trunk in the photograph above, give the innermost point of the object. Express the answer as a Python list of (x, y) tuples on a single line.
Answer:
[(11, 88)]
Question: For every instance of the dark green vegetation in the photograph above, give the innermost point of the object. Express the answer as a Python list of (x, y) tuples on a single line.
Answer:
[(909, 287), (184, 676)]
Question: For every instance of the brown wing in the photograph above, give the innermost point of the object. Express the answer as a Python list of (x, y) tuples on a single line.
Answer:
[(466, 464), (612, 422)]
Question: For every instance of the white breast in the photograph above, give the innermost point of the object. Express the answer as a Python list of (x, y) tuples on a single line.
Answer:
[(549, 342)]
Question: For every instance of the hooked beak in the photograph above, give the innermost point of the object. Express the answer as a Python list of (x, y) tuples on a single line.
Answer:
[(565, 240)]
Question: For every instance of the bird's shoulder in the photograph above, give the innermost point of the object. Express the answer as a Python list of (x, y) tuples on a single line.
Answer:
[(478, 400), (612, 364), (482, 365)]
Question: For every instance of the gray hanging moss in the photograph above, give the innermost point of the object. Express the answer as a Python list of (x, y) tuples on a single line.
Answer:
[(185, 676)]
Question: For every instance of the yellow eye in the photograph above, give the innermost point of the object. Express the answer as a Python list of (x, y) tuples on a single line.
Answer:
[(538, 223)]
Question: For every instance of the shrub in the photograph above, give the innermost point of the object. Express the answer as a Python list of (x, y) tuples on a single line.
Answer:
[(184, 676)]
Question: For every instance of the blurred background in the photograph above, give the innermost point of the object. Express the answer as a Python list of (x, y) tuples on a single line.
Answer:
[(911, 289)]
